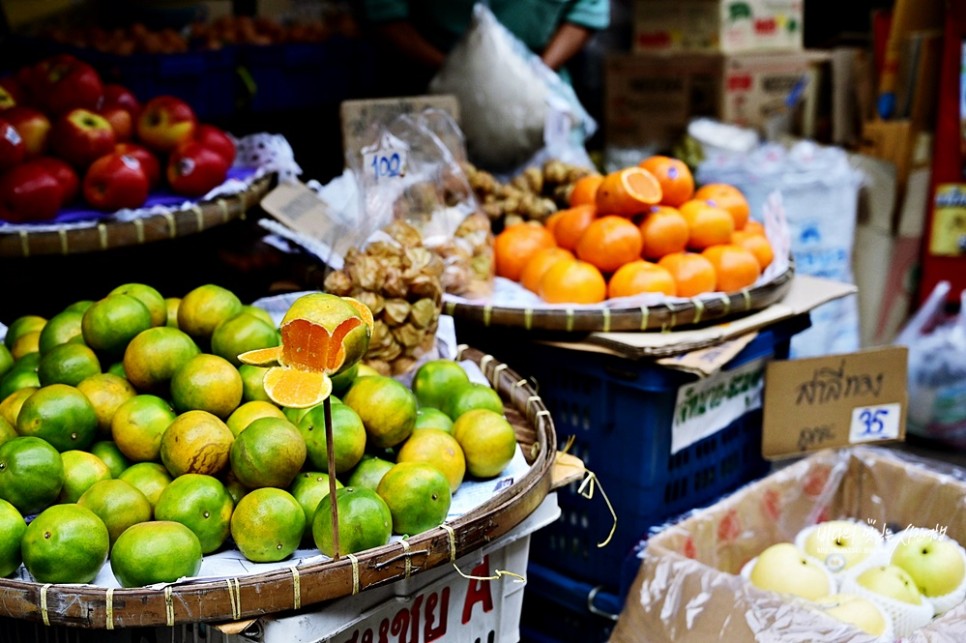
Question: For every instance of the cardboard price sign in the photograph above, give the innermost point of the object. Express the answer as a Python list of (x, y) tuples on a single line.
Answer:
[(834, 401)]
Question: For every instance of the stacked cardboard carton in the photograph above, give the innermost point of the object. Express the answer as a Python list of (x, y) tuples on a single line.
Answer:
[(740, 62)]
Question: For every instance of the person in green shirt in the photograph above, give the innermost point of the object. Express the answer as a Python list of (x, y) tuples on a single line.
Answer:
[(424, 30)]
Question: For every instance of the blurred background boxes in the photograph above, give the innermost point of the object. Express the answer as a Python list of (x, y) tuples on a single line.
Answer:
[(650, 98), (717, 25)]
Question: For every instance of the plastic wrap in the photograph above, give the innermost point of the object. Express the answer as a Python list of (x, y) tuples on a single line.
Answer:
[(937, 369), (820, 191), (515, 110), (689, 587)]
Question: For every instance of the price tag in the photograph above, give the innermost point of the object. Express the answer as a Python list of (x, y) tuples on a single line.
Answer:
[(834, 401), (385, 164), (873, 423)]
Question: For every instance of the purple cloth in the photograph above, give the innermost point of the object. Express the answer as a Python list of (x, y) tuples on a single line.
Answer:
[(161, 196)]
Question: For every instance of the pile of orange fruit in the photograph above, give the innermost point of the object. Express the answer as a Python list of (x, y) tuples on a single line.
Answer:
[(641, 229)]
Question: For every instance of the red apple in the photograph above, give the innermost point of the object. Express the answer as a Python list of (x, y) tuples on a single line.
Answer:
[(116, 181), (194, 169), (65, 175), (12, 148), (165, 122), (63, 83), (120, 96), (149, 162), (28, 192), (10, 93), (33, 126), (216, 139), (121, 122), (80, 136)]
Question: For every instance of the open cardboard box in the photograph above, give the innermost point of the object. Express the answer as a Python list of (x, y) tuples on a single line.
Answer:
[(688, 588)]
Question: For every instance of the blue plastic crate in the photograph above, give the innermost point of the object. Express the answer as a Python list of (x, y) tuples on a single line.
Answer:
[(620, 414), (299, 75), (559, 608), (206, 80)]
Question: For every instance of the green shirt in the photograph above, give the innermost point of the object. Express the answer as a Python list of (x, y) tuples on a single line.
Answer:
[(532, 21)]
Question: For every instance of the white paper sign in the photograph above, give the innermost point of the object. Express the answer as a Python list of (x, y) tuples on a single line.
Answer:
[(874, 423), (710, 404)]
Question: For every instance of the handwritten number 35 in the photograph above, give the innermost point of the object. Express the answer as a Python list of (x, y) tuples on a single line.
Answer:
[(873, 421)]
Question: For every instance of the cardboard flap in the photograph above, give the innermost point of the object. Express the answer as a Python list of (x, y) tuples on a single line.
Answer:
[(806, 293)]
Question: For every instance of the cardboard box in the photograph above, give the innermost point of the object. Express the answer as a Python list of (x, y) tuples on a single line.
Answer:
[(688, 587), (650, 98), (717, 25)]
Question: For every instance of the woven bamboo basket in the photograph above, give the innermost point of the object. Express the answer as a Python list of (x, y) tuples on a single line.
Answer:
[(115, 234), (247, 597), (663, 316)]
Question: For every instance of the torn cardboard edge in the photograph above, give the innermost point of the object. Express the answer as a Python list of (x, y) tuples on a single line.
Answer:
[(806, 294)]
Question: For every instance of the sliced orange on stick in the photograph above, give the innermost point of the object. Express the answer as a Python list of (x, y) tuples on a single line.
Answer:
[(627, 192), (321, 335)]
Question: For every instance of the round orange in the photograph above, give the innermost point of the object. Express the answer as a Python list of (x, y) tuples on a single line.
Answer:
[(735, 267), (664, 230), (609, 242), (753, 227), (628, 192), (516, 245), (584, 190), (639, 277), (550, 223), (707, 225), (677, 184), (574, 282), (727, 197), (757, 244), (539, 264), (693, 274), (572, 224)]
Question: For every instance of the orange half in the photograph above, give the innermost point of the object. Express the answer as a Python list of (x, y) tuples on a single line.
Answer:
[(296, 389), (262, 356), (627, 192)]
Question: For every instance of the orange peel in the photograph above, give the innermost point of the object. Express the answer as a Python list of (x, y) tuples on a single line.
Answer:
[(321, 335)]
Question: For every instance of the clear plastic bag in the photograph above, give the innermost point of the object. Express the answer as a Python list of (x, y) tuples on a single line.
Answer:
[(515, 110), (937, 369)]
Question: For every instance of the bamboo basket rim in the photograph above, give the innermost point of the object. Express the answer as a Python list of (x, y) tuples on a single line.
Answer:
[(277, 591), (659, 317), (108, 234)]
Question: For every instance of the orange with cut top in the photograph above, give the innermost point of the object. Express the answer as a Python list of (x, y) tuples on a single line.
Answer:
[(627, 192), (321, 335)]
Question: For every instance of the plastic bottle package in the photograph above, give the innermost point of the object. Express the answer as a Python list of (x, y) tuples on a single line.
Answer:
[(937, 370), (820, 192)]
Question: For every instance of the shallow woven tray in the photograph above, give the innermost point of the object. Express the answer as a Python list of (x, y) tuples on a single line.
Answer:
[(114, 234), (278, 591), (638, 318)]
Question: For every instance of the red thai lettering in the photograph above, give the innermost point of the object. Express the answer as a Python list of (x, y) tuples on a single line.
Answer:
[(414, 620), (765, 25), (384, 631), (478, 591), (400, 625), (739, 82), (430, 632)]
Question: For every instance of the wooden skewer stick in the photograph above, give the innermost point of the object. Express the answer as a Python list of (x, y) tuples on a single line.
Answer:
[(330, 454)]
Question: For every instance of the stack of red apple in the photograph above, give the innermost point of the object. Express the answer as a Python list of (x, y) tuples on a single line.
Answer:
[(886, 587), (64, 133)]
